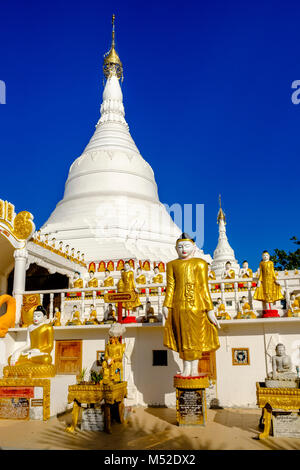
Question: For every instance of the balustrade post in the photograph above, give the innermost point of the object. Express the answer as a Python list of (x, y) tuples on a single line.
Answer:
[(51, 306), (82, 306), (62, 306)]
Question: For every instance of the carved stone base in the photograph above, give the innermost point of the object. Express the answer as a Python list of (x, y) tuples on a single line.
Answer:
[(42, 371), (270, 383)]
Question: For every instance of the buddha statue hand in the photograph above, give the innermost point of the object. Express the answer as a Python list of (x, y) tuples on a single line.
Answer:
[(165, 312), (212, 317), (32, 353)]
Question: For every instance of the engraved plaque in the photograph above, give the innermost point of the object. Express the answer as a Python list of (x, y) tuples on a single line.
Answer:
[(286, 424), (14, 408), (92, 420), (191, 407)]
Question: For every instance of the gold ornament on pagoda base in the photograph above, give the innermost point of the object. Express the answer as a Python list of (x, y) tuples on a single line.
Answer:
[(34, 358)]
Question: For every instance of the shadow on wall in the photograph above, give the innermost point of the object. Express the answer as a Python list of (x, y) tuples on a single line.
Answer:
[(154, 382)]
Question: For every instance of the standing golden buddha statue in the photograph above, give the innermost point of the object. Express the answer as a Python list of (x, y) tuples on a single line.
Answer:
[(268, 288), (190, 327)]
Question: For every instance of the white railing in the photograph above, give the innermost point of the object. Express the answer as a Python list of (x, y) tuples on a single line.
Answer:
[(155, 293)]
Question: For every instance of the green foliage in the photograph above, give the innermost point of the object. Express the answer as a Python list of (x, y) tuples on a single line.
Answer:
[(283, 260), (95, 377)]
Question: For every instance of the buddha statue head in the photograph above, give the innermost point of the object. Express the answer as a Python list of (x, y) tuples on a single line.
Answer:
[(127, 266), (243, 300), (39, 315), (245, 264), (91, 274), (156, 269), (227, 265), (106, 273), (185, 246), (139, 271), (265, 256), (60, 246)]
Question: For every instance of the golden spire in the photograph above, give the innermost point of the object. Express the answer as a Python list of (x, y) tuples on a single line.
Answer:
[(112, 64), (221, 215)]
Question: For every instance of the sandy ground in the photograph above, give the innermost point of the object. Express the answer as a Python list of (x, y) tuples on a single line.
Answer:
[(146, 429)]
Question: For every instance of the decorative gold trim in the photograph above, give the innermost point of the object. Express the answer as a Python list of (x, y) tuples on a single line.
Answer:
[(41, 371), (191, 382)]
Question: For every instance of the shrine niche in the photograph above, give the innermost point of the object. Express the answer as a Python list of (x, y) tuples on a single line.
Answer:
[(120, 265), (101, 267), (131, 263), (146, 265), (110, 266), (161, 267), (92, 267)]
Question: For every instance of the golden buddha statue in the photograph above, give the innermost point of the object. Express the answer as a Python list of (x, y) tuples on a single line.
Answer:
[(129, 286), (108, 280), (92, 320), (141, 278), (34, 358), (93, 281), (158, 278), (268, 288), (75, 320), (53, 245), (112, 365), (149, 317), (57, 315), (294, 310), (245, 312), (77, 281), (190, 327), (228, 273), (221, 313), (60, 248)]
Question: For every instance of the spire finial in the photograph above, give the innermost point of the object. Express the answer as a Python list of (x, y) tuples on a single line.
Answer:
[(112, 64), (221, 215)]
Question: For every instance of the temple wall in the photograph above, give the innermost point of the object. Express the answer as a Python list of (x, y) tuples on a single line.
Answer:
[(235, 385)]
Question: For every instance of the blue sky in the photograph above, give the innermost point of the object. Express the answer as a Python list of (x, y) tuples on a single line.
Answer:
[(207, 93)]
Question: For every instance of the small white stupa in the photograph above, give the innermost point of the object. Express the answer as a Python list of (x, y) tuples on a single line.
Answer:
[(223, 251), (111, 209)]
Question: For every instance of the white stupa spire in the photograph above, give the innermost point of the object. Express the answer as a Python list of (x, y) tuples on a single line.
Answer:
[(223, 251), (111, 207)]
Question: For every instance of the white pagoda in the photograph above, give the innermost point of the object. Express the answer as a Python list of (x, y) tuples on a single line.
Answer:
[(111, 209)]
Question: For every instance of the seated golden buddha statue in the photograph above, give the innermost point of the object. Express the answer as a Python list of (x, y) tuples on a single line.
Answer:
[(93, 281), (245, 312), (228, 273), (211, 273), (75, 320), (112, 365), (92, 320), (294, 309), (108, 279), (221, 313), (158, 278), (141, 278), (77, 281), (34, 358), (57, 315), (149, 317)]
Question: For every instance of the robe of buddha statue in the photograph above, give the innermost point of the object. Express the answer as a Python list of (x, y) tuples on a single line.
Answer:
[(141, 279), (56, 320), (78, 283), (158, 279), (221, 313), (129, 286), (92, 320), (75, 320), (42, 338), (245, 312), (188, 329), (108, 281), (93, 282), (268, 291), (113, 359), (212, 275)]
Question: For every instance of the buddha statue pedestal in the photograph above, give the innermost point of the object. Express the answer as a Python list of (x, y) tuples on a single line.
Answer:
[(270, 313), (191, 400)]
